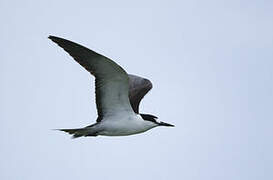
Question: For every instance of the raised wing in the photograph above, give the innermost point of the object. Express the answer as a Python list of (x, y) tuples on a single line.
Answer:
[(138, 88), (112, 82)]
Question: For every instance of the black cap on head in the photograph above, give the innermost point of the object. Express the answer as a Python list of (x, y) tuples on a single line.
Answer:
[(152, 118)]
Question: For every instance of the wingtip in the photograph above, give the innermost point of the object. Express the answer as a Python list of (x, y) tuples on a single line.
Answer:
[(52, 37)]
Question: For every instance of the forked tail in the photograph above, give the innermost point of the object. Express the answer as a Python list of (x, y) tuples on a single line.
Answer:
[(79, 132)]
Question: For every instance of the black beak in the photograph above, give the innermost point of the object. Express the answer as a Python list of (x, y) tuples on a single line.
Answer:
[(165, 124)]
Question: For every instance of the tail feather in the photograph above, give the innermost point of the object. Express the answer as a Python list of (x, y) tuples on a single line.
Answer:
[(78, 132)]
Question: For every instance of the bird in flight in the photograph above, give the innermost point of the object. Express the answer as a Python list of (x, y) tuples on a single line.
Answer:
[(118, 95)]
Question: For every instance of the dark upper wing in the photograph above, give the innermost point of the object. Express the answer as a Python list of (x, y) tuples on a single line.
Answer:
[(138, 88), (112, 82)]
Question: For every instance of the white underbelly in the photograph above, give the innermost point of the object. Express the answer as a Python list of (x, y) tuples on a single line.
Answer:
[(120, 132), (124, 128)]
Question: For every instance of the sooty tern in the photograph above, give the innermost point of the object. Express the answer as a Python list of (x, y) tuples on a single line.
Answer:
[(117, 95)]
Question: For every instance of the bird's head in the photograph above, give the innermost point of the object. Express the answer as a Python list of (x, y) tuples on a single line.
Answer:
[(152, 118)]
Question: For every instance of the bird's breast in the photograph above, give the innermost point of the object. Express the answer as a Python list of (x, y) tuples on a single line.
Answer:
[(124, 126)]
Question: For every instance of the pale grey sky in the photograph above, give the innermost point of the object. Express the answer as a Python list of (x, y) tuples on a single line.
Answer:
[(211, 66)]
